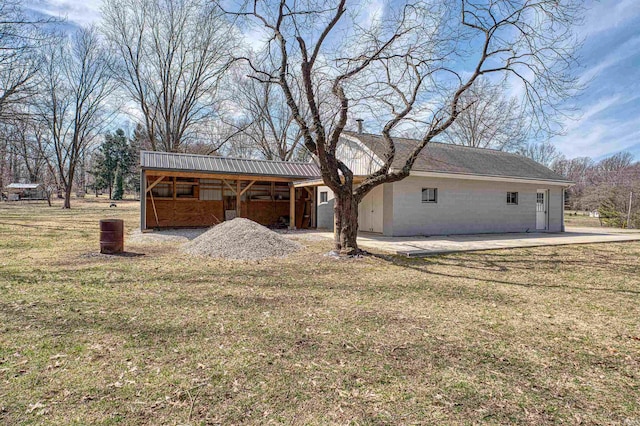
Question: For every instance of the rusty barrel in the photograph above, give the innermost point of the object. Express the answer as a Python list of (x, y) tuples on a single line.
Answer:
[(111, 236)]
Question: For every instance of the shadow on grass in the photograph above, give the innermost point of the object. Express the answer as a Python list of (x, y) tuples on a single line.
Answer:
[(468, 260), (98, 255)]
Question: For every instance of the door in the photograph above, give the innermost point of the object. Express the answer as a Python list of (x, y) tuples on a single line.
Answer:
[(541, 209), (370, 211)]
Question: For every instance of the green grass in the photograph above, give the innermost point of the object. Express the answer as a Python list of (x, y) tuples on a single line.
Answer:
[(541, 335)]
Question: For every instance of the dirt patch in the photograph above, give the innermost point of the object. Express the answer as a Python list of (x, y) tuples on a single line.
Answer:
[(241, 239), (164, 236)]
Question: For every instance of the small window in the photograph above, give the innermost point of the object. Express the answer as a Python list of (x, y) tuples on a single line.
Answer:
[(429, 195), (324, 197), (512, 198)]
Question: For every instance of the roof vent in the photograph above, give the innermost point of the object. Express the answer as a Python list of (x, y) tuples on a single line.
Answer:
[(359, 120)]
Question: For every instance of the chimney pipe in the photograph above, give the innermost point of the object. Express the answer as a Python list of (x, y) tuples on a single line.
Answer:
[(359, 120)]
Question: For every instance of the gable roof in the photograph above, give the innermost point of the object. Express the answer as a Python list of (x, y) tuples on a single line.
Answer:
[(456, 159), (23, 186), (153, 160)]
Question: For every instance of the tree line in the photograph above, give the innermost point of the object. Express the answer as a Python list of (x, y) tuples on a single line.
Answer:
[(610, 186)]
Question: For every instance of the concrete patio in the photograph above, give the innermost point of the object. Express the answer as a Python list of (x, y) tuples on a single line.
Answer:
[(426, 246)]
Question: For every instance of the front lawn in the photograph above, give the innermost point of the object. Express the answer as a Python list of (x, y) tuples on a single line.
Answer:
[(540, 335)]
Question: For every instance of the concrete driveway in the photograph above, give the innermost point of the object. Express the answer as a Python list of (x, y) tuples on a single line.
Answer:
[(425, 246)]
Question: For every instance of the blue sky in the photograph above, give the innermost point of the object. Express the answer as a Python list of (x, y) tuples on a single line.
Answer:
[(609, 108)]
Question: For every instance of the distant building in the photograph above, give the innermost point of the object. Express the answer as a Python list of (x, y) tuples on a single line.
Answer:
[(25, 191)]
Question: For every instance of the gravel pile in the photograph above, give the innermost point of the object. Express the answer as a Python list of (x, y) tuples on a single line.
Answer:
[(174, 236), (241, 239)]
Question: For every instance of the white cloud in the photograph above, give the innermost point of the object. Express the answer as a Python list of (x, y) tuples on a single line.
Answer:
[(607, 15), (619, 54), (83, 12), (373, 13), (599, 137)]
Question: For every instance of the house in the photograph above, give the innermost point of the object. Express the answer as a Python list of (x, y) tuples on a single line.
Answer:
[(451, 190), (25, 191)]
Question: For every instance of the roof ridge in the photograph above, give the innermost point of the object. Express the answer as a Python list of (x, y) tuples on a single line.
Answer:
[(227, 158), (436, 142)]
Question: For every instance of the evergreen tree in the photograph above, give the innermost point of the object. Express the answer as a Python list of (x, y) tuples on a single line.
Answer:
[(118, 185), (115, 153)]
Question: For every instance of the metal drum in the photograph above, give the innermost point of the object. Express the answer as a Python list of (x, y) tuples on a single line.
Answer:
[(111, 236)]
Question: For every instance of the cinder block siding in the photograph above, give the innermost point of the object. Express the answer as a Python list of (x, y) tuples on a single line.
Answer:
[(325, 210), (463, 207), (468, 207)]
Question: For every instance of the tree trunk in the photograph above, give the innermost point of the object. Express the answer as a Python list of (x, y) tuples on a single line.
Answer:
[(67, 197), (346, 223)]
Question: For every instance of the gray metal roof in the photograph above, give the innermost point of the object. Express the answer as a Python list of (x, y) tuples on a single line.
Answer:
[(23, 186), (448, 158), (226, 165)]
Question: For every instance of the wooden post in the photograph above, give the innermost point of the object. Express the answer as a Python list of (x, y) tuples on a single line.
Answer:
[(629, 211), (143, 200), (238, 197), (292, 206), (174, 188)]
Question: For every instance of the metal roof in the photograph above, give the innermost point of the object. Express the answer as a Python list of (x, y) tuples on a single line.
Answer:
[(226, 165), (23, 186), (448, 158)]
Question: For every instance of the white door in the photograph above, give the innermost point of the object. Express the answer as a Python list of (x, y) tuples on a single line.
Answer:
[(541, 209), (370, 211), (376, 209)]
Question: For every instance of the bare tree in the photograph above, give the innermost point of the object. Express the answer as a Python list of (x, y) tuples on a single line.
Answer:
[(27, 138), (172, 55), (266, 120), (488, 119), (403, 66), (578, 170), (76, 82), (20, 44), (542, 152)]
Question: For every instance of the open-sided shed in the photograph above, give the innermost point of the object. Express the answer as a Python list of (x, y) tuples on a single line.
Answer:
[(25, 191), (186, 190)]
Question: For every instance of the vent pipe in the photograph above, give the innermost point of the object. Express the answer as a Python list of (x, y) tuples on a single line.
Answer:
[(359, 120)]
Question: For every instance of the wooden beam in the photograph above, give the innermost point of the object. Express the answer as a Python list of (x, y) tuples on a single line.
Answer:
[(314, 200), (310, 191), (143, 201), (238, 198), (221, 176), (247, 187), (155, 212), (312, 182), (175, 190), (292, 207), (155, 182), (229, 186)]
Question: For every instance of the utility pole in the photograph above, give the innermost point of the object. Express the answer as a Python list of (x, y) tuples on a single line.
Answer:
[(629, 212)]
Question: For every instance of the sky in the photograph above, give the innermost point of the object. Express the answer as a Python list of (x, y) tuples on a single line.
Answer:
[(608, 110)]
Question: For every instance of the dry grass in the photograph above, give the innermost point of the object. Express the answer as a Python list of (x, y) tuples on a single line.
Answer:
[(581, 219), (544, 335)]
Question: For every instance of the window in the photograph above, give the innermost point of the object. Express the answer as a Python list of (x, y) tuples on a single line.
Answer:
[(429, 195), (512, 198), (324, 196)]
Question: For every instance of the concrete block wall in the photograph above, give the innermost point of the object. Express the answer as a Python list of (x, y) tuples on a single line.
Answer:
[(325, 210), (463, 207), (468, 207)]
